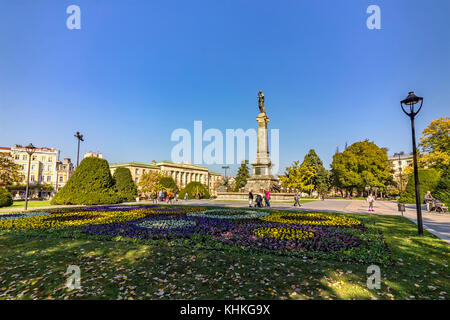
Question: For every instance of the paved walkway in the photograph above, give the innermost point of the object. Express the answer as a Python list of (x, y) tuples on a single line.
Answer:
[(437, 224)]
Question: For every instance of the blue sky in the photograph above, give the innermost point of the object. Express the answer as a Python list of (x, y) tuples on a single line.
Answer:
[(137, 70)]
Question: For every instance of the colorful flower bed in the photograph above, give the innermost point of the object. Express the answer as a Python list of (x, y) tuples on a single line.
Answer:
[(279, 231)]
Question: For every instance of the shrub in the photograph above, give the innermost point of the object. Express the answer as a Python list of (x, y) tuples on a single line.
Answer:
[(193, 188), (168, 183), (5, 198), (125, 185), (428, 179), (442, 190), (90, 184)]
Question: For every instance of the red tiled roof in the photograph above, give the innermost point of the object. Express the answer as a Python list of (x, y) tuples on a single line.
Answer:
[(4, 148)]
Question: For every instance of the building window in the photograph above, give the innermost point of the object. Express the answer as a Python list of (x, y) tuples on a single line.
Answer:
[(49, 159), (34, 158), (137, 171), (136, 180), (32, 178), (33, 167), (43, 158), (49, 168), (17, 157), (24, 157), (61, 179), (49, 178)]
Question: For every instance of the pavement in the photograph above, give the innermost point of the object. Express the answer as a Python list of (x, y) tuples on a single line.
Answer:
[(436, 223)]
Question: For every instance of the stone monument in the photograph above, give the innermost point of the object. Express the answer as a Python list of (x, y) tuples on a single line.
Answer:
[(262, 177)]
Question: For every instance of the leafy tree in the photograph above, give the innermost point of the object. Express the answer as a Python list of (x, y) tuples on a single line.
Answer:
[(299, 177), (124, 183), (436, 137), (322, 176), (150, 181), (90, 184), (242, 175), (5, 198), (361, 165), (195, 190), (9, 171), (168, 184), (428, 180)]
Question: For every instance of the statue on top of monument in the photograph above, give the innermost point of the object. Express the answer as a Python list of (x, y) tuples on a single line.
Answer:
[(262, 109)]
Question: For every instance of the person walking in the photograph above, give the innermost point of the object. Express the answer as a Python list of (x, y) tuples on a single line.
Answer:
[(267, 198), (186, 196), (154, 197), (297, 199), (176, 196), (161, 196), (323, 196), (429, 200), (371, 200), (250, 198)]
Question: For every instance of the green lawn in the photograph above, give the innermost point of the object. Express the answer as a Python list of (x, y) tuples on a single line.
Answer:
[(33, 266), (31, 204)]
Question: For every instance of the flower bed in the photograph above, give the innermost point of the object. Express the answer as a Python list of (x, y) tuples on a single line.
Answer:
[(254, 229)]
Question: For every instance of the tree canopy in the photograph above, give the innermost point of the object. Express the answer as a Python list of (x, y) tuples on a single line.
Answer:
[(361, 165), (242, 175), (149, 181), (9, 171), (299, 177)]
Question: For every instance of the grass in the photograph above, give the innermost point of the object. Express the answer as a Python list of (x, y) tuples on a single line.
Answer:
[(31, 204), (33, 266)]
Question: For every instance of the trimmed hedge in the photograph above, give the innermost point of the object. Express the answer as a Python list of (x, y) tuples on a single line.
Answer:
[(90, 184), (125, 185), (442, 191), (5, 198), (428, 179), (193, 188)]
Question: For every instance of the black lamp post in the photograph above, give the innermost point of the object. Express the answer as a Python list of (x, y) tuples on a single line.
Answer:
[(30, 150), (79, 136), (410, 102)]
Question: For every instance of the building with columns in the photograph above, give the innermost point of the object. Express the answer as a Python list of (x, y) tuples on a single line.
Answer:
[(182, 173)]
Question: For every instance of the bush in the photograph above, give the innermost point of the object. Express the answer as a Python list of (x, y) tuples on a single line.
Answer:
[(5, 198), (90, 184), (428, 179), (125, 185), (442, 190), (168, 183), (193, 188)]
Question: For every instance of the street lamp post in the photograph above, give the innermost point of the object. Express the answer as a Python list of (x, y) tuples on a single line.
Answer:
[(79, 136), (410, 101), (225, 179), (30, 150)]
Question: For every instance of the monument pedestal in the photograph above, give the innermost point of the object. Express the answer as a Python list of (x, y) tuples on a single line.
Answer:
[(262, 178)]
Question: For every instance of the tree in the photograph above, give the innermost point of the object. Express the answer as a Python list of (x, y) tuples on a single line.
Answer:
[(150, 181), (9, 171), (168, 184), (195, 190), (124, 183), (90, 184), (436, 137), (298, 177), (242, 175), (321, 176), (435, 145), (361, 165), (428, 180)]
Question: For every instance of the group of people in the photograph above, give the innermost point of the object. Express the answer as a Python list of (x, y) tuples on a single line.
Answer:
[(164, 196), (264, 195)]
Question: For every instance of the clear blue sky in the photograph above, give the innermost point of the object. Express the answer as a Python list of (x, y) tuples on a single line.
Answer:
[(137, 70)]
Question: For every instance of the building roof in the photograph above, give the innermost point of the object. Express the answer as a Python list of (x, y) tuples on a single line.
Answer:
[(44, 149), (5, 149), (160, 163)]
